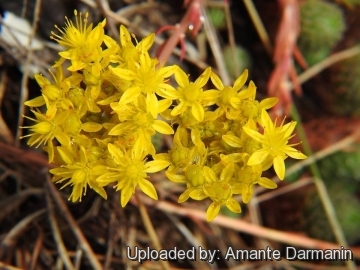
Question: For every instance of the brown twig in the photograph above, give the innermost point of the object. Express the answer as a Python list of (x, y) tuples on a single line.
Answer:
[(37, 248), (13, 202), (5, 131), (150, 229), (216, 49), (332, 59), (11, 155), (10, 239), (62, 251), (8, 267), (24, 82), (256, 230), (104, 7), (84, 244)]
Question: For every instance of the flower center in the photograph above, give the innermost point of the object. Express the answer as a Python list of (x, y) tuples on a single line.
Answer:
[(226, 94), (191, 92), (250, 108), (143, 119), (195, 175), (132, 171)]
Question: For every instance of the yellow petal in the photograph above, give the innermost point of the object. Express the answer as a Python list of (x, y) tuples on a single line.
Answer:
[(99, 190), (152, 104), (227, 172), (142, 147), (115, 152), (167, 91), (124, 73), (195, 136), (166, 72), (76, 193), (125, 37), (176, 178), (289, 128), (253, 134), (279, 167), (99, 170), (232, 140), (162, 156), (179, 109), (50, 151), (239, 83), (163, 105), (148, 41), (203, 78), (91, 127), (181, 77), (212, 211), (268, 103), (130, 95), (162, 127), (292, 152), (65, 155), (216, 81), (197, 111), (126, 193), (78, 177), (41, 80), (120, 128), (266, 120), (267, 183), (185, 195), (156, 166), (148, 188), (210, 96), (62, 137), (97, 34), (233, 205), (209, 174), (246, 196), (257, 157), (35, 102), (198, 194), (108, 178)]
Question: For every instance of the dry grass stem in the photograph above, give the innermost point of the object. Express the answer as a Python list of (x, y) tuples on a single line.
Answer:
[(239, 225), (84, 244), (62, 251)]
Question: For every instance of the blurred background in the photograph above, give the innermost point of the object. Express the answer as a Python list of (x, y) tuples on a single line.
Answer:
[(315, 50)]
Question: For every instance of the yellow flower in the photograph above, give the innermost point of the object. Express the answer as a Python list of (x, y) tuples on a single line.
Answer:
[(191, 94), (229, 95), (138, 120), (220, 191), (127, 50), (130, 171), (248, 106), (46, 130), (83, 42), (192, 174), (246, 177), (274, 144), (179, 155), (146, 79), (77, 172)]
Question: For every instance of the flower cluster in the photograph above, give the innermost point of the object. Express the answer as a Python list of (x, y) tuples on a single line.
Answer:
[(101, 116)]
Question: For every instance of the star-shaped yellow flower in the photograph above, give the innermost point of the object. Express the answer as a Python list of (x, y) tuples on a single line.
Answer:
[(274, 144), (131, 170), (191, 94)]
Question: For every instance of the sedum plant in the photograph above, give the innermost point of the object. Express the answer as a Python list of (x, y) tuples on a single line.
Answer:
[(99, 119)]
